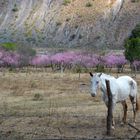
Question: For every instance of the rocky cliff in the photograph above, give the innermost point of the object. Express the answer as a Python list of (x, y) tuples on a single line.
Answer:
[(68, 23)]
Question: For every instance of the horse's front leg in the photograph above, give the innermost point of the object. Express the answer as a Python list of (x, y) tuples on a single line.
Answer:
[(125, 111), (113, 122)]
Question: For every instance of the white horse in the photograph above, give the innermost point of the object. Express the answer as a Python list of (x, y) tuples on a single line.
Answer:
[(121, 88)]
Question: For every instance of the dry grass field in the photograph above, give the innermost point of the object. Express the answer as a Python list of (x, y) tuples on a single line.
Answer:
[(44, 105)]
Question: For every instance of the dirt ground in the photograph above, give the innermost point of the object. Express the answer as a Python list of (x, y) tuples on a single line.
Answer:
[(44, 105)]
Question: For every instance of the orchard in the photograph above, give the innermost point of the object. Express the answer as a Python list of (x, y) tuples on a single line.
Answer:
[(68, 60)]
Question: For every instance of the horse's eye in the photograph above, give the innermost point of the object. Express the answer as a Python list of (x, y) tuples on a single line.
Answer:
[(97, 82)]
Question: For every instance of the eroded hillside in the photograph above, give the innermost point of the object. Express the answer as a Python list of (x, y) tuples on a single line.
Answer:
[(69, 23)]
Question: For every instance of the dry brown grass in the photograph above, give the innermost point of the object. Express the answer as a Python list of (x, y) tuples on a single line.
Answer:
[(49, 105), (77, 9)]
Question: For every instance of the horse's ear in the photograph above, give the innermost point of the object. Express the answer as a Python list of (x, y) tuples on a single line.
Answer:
[(100, 74), (91, 74)]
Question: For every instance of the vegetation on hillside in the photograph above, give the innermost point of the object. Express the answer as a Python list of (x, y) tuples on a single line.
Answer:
[(132, 45), (68, 23), (9, 46)]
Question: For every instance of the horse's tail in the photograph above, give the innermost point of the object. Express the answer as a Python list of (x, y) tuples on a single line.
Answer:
[(137, 104)]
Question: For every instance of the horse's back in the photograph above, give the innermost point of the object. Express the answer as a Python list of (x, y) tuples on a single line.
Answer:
[(125, 77), (128, 86), (126, 80)]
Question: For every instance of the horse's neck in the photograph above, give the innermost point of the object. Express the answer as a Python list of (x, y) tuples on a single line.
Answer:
[(105, 77), (103, 85), (103, 89)]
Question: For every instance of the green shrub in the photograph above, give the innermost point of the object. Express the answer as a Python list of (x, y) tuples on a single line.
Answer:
[(68, 19), (132, 45), (37, 97), (9, 46), (58, 23), (88, 4), (134, 1), (136, 32), (100, 68), (66, 2), (33, 85), (15, 9), (26, 53), (132, 49)]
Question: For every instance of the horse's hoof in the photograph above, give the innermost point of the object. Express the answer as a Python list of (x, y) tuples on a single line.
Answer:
[(113, 127), (123, 123)]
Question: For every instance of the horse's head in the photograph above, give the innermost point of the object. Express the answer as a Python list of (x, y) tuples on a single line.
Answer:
[(95, 81)]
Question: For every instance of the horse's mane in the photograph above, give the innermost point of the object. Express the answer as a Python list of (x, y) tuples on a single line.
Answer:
[(106, 76)]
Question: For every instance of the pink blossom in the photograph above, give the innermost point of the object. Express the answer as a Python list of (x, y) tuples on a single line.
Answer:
[(114, 59), (40, 60)]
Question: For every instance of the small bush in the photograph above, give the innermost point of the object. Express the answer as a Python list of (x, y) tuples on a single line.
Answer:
[(88, 4), (66, 2), (15, 9), (136, 32), (134, 1), (33, 85), (68, 19), (58, 23), (132, 45), (80, 36), (37, 97), (9, 46), (26, 53), (100, 68)]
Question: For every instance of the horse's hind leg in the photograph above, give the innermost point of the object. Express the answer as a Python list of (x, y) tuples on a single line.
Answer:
[(113, 122), (134, 108), (125, 111)]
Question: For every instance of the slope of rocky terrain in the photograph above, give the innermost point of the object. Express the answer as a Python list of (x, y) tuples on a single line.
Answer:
[(68, 23)]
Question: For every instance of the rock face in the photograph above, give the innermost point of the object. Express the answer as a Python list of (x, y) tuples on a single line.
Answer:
[(68, 23)]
